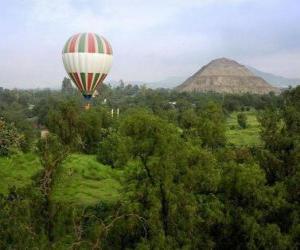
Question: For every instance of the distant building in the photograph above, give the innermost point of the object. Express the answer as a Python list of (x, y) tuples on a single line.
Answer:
[(44, 133), (95, 94), (172, 104), (30, 106)]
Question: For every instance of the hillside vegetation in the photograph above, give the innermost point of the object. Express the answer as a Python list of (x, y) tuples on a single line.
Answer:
[(249, 136), (81, 181)]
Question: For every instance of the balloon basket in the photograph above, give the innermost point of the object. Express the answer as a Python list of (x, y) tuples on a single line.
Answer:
[(87, 106)]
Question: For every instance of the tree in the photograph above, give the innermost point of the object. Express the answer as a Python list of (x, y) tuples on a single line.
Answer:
[(51, 153), (9, 138), (64, 122), (20, 220), (67, 87), (114, 150), (281, 136), (161, 181), (242, 120), (211, 126), (92, 124)]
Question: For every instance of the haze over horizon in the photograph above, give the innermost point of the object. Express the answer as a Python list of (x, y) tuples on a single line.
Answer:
[(151, 40)]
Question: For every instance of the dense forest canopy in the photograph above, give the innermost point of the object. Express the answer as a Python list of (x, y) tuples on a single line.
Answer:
[(173, 177)]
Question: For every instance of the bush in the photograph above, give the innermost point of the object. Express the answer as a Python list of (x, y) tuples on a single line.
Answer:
[(242, 120), (9, 138), (114, 150)]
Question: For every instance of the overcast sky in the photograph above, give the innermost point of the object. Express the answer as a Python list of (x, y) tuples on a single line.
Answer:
[(151, 39)]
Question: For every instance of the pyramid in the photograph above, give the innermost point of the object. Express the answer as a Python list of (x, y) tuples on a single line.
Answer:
[(226, 76)]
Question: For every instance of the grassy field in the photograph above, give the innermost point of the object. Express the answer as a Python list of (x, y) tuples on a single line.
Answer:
[(17, 170), (82, 180), (243, 137)]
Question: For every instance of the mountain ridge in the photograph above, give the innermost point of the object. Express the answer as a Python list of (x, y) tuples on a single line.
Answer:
[(275, 80)]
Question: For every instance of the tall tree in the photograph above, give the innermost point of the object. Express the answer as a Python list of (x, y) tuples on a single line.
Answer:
[(51, 153)]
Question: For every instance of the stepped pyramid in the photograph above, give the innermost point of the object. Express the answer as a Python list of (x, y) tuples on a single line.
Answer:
[(226, 76)]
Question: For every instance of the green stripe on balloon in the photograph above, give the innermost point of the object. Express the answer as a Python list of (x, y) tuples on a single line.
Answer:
[(96, 77), (100, 44), (83, 80), (67, 45), (81, 46)]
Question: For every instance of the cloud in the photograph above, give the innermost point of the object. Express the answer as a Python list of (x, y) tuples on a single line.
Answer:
[(285, 63), (151, 39), (114, 15)]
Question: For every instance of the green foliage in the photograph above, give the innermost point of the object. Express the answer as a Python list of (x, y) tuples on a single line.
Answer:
[(83, 181), (250, 136), (20, 116), (114, 150), (51, 152), (21, 226), (64, 122), (213, 126), (67, 88), (207, 127), (17, 171), (281, 135), (93, 123), (170, 180), (77, 128), (242, 120), (9, 138)]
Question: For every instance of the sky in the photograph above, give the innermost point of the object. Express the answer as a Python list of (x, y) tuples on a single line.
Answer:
[(152, 40)]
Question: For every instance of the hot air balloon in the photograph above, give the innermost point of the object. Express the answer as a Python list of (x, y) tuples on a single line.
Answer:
[(87, 58)]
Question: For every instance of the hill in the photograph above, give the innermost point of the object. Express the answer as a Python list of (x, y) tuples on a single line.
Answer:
[(275, 80), (226, 76), (81, 181)]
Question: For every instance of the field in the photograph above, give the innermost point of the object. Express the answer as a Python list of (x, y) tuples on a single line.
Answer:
[(82, 180), (243, 137), (17, 170)]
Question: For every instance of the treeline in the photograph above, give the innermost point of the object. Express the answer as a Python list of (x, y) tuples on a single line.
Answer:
[(183, 186)]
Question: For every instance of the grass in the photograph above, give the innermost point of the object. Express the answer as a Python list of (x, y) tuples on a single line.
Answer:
[(84, 180), (17, 170), (81, 181), (243, 137)]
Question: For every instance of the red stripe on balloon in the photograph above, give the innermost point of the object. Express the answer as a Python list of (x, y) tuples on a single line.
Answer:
[(108, 48), (77, 79), (73, 43), (74, 80), (91, 43), (89, 82), (101, 79)]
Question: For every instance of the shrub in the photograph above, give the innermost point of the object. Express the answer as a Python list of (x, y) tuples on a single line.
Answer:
[(9, 138), (242, 120)]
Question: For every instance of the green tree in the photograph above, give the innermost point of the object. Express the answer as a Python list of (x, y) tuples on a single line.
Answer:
[(51, 153), (211, 127), (67, 88), (9, 138), (114, 150), (242, 120), (161, 182), (21, 226), (65, 122), (92, 124)]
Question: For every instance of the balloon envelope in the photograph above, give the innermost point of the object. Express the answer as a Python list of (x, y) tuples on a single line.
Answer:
[(87, 58)]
